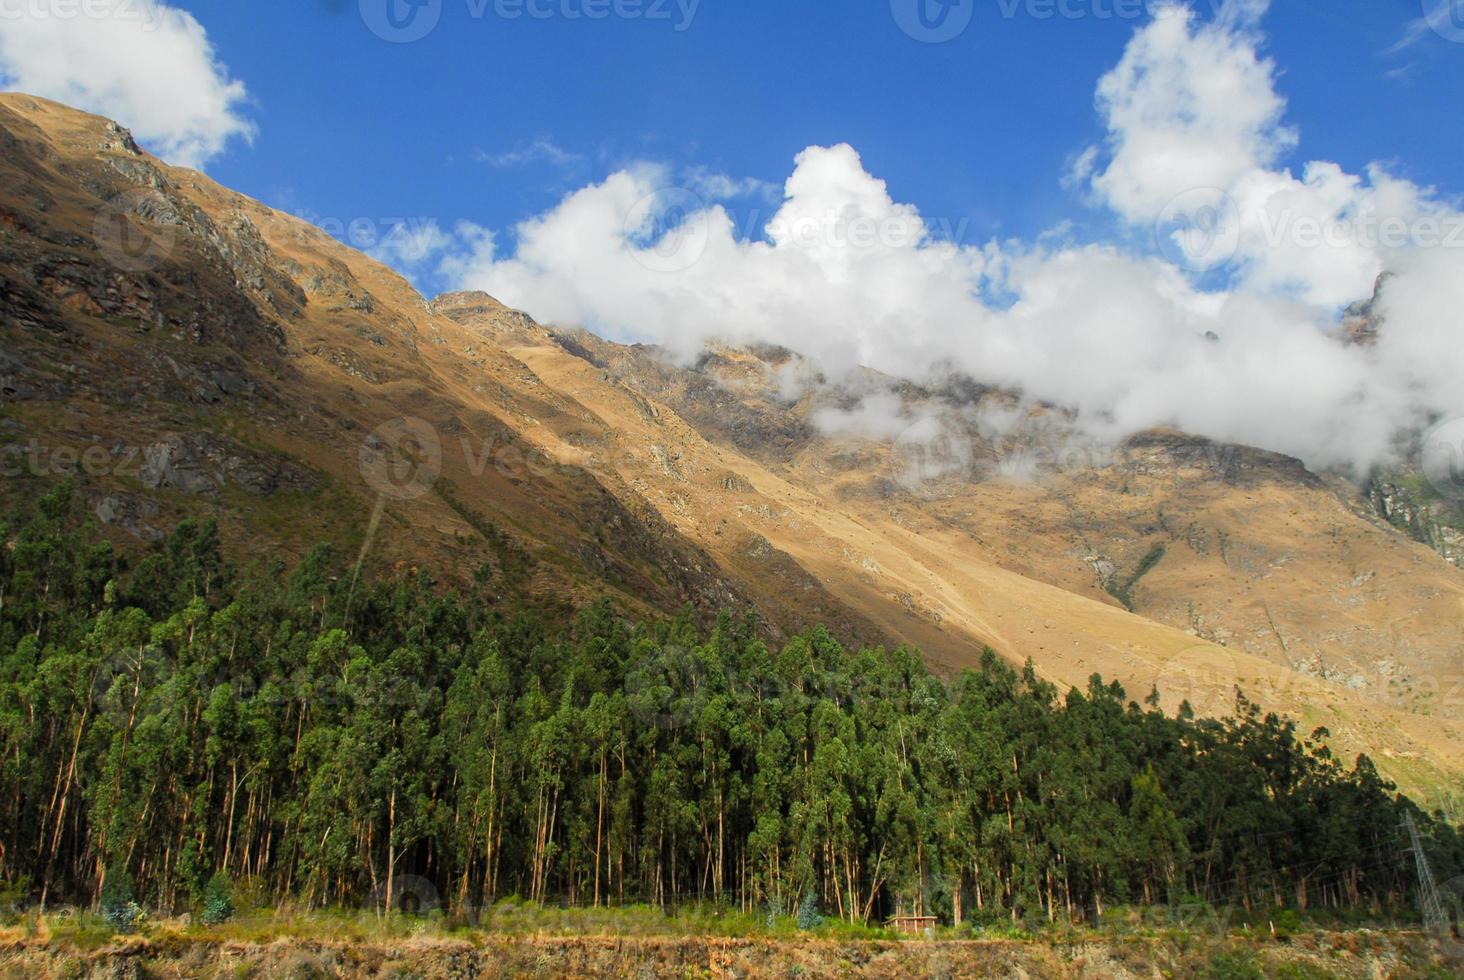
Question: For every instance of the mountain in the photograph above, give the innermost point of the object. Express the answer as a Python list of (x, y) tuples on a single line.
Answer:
[(187, 351)]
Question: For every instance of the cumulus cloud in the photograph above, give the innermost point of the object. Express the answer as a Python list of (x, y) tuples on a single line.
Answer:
[(142, 62), (1218, 312), (1187, 106)]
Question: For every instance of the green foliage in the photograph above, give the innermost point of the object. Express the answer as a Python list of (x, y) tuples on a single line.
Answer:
[(1123, 590), (118, 904), (1302, 971), (12, 896), (1285, 924), (1234, 964), (218, 900), (808, 913), (327, 742)]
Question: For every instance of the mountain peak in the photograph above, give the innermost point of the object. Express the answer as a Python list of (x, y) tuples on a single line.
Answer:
[(466, 302)]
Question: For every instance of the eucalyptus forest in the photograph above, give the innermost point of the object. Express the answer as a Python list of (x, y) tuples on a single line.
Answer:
[(343, 741)]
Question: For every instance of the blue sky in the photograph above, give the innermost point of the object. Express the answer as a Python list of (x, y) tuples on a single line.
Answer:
[(979, 127)]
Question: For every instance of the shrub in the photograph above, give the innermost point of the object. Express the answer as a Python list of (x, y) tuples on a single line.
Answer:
[(1285, 924), (13, 896), (218, 900), (808, 914), (119, 907), (1237, 964)]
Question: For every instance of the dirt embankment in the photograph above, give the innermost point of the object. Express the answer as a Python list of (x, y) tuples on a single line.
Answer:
[(1357, 954)]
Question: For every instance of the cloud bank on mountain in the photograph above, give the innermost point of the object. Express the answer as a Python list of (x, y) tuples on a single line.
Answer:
[(1214, 309)]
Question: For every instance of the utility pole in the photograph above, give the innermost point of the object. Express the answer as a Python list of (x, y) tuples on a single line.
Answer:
[(1435, 919)]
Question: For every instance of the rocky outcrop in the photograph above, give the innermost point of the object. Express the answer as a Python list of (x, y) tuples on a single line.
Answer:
[(131, 513), (118, 139), (466, 305), (1162, 451), (20, 383), (338, 290), (255, 266), (1426, 518), (1361, 321), (199, 463)]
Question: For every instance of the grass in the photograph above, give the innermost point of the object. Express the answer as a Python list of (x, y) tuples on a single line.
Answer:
[(513, 937), (515, 564), (518, 918), (1124, 591), (512, 917)]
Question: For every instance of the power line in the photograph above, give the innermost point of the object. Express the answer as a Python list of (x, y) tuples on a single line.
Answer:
[(1435, 919)]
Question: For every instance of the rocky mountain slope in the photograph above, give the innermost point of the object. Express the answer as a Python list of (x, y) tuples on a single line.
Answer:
[(188, 351)]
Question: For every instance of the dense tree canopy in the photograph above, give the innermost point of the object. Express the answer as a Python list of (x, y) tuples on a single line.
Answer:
[(345, 743)]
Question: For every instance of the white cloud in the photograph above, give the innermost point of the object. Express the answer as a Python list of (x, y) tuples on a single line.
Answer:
[(881, 415), (142, 62), (410, 244), (1188, 106), (535, 151), (720, 187), (849, 276)]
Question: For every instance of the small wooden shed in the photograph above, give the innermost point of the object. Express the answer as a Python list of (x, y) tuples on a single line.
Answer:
[(913, 925)]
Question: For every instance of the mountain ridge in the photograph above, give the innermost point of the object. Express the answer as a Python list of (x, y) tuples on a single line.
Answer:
[(261, 358)]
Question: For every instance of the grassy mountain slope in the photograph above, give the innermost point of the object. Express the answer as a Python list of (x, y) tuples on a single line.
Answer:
[(195, 352)]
